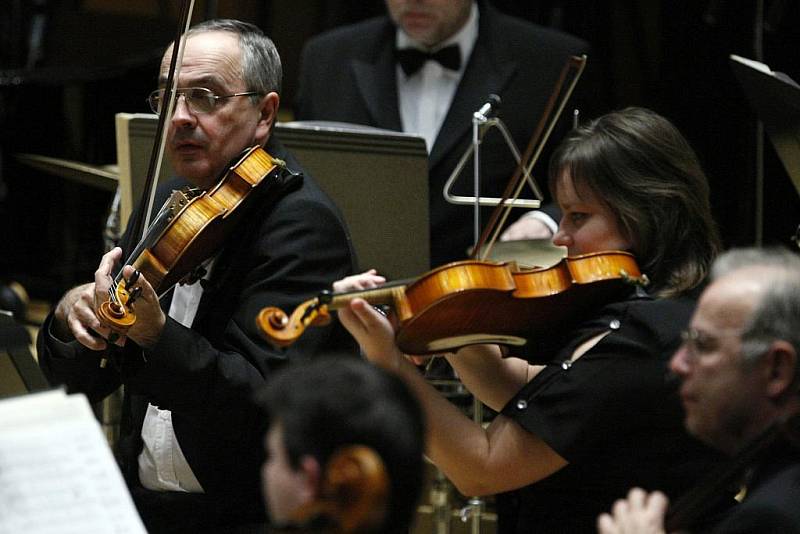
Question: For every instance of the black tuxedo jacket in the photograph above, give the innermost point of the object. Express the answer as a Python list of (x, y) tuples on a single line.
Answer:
[(772, 502), (349, 75), (284, 252)]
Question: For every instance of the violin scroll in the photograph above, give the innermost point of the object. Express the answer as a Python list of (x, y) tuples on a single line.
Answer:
[(282, 330), (117, 312)]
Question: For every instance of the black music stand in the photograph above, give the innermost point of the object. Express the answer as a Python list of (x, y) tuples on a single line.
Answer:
[(19, 372), (776, 100)]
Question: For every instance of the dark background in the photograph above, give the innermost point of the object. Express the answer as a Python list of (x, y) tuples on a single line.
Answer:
[(59, 94)]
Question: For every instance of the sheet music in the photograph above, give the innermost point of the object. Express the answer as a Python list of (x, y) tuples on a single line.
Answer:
[(752, 63), (57, 473), (762, 67)]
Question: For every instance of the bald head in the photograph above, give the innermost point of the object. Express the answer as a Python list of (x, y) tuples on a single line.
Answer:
[(732, 298), (738, 364)]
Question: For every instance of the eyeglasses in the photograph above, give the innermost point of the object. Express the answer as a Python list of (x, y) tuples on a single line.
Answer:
[(698, 342), (198, 99)]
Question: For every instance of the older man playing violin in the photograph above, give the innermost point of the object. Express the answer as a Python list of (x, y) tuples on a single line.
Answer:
[(191, 433)]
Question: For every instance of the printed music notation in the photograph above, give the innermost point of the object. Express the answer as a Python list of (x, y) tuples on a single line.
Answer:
[(57, 473)]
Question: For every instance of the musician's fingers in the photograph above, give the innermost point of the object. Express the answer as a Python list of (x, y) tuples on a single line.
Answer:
[(606, 525), (373, 332), (86, 328), (419, 360), (639, 513), (620, 508), (107, 263), (147, 294), (636, 498), (102, 276), (657, 502), (367, 280), (359, 318)]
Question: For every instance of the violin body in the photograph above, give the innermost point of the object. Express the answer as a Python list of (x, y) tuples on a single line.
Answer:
[(475, 302), (192, 226), (199, 224), (532, 304)]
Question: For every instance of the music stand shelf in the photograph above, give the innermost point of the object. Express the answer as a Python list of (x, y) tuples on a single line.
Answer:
[(377, 178)]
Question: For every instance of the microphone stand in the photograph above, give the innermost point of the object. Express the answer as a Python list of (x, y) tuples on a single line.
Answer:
[(478, 119), (474, 510), (475, 506)]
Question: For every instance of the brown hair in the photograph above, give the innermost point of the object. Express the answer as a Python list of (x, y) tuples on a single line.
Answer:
[(642, 167)]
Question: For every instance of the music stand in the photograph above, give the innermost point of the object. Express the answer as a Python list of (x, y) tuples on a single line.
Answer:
[(19, 372), (135, 133), (379, 180), (776, 100), (103, 177)]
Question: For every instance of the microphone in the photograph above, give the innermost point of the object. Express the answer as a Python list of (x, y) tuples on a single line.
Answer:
[(490, 108)]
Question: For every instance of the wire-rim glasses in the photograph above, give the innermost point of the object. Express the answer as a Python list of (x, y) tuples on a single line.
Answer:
[(198, 99), (699, 342)]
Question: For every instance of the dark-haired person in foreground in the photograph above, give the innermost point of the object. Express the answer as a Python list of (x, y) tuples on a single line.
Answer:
[(319, 412), (740, 374), (575, 434), (190, 443)]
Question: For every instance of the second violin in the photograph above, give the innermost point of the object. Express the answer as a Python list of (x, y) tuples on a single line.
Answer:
[(473, 302)]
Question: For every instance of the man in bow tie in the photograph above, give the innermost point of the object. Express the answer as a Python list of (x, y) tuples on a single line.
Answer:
[(425, 69)]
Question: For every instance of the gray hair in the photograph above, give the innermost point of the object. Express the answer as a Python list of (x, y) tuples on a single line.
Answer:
[(777, 314), (261, 64)]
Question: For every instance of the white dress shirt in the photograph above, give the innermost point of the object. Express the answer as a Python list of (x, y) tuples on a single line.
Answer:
[(425, 96), (162, 465)]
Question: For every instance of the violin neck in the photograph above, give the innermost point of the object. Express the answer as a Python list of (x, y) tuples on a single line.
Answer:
[(386, 295)]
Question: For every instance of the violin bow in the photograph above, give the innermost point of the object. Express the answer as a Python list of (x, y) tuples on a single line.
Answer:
[(117, 311), (141, 219), (545, 126)]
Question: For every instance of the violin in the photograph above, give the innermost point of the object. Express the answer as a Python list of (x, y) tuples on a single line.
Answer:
[(474, 302), (190, 228), (353, 497)]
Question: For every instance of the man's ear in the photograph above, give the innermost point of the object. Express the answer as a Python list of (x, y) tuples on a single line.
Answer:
[(269, 112), (781, 360)]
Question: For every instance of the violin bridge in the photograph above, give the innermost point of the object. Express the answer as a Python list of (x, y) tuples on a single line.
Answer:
[(642, 280)]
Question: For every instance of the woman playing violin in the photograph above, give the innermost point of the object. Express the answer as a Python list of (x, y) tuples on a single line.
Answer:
[(572, 436)]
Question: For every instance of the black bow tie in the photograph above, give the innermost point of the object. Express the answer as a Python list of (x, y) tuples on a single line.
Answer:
[(412, 59)]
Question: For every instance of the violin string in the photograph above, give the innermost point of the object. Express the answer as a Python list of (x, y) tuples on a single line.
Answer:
[(112, 291)]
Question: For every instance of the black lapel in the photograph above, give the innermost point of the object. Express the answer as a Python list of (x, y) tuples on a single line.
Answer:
[(377, 84), (488, 71)]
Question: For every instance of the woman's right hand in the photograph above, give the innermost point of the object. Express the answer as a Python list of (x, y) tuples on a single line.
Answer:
[(374, 333)]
